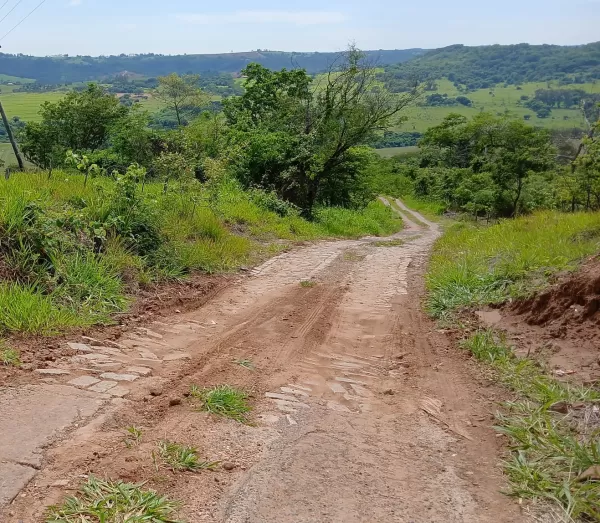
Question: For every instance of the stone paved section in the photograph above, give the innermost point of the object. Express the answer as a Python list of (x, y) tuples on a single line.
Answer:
[(30, 417)]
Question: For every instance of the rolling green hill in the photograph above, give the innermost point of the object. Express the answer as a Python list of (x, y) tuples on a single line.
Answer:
[(485, 66), (65, 69)]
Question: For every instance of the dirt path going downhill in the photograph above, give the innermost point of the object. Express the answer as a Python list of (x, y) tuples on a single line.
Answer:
[(363, 412)]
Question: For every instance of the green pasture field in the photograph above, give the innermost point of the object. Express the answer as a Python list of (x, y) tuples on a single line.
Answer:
[(26, 105), (496, 100), (389, 152)]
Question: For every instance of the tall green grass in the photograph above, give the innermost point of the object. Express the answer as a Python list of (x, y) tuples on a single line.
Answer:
[(478, 265)]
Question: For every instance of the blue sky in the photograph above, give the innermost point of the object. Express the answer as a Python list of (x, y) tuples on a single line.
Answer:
[(185, 26)]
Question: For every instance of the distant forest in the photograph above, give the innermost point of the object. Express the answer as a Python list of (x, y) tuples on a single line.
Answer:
[(487, 66), (66, 69)]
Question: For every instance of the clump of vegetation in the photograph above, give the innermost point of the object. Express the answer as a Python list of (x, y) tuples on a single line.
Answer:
[(244, 362), (9, 356), (114, 501), (307, 284), (134, 436), (473, 266), (223, 400), (183, 457), (553, 429)]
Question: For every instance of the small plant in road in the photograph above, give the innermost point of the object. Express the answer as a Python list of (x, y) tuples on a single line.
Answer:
[(134, 436), (182, 457), (307, 284), (223, 400), (246, 363), (388, 243), (113, 501)]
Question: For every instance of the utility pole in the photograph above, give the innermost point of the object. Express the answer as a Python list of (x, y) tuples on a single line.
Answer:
[(12, 138)]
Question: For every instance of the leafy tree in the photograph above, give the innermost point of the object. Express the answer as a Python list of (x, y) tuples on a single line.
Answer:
[(587, 167), (508, 149), (132, 140), (80, 121), (180, 93), (300, 137), (40, 146)]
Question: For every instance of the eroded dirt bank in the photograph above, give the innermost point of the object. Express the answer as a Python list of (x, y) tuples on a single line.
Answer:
[(363, 411)]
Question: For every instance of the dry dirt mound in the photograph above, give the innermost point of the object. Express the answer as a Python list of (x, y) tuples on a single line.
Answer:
[(572, 301)]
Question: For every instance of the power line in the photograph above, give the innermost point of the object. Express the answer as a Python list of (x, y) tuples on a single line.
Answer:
[(15, 6), (25, 18), (4, 5)]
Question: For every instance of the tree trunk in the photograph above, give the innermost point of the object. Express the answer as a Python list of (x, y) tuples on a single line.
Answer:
[(516, 201), (12, 138)]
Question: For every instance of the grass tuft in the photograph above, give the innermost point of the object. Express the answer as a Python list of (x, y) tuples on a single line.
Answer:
[(104, 501), (24, 308), (307, 284), (224, 400), (9, 357), (182, 457), (134, 436), (246, 363)]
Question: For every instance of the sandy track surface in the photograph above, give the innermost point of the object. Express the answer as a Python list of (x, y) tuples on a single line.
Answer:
[(362, 410)]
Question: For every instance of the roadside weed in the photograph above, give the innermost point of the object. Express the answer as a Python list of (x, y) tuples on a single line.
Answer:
[(182, 457), (223, 400), (9, 357), (134, 436), (104, 501), (553, 429), (307, 284), (246, 363)]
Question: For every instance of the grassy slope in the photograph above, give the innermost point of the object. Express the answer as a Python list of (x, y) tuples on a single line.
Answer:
[(502, 99), (474, 266), (53, 278)]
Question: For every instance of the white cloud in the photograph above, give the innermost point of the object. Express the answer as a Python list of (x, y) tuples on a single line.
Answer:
[(265, 17), (74, 3)]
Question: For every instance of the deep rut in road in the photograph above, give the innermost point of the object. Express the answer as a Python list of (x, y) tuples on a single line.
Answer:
[(363, 411)]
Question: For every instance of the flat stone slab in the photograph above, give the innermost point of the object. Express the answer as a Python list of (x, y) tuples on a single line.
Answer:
[(277, 396), (80, 347), (297, 392), (32, 415), (96, 356), (52, 372), (174, 356), (336, 387), (109, 350), (103, 386), (142, 371), (84, 381), (119, 377), (13, 478), (119, 391)]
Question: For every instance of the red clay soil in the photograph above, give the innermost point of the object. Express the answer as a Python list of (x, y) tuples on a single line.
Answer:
[(561, 324)]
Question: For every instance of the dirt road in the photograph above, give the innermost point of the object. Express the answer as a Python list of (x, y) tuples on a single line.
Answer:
[(363, 412)]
